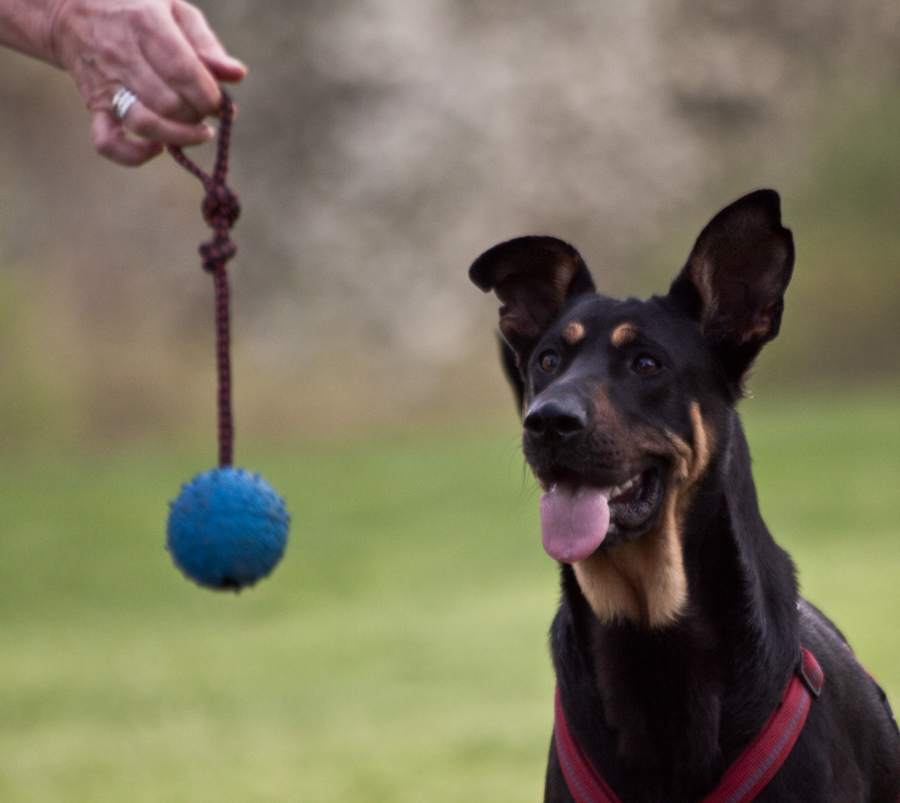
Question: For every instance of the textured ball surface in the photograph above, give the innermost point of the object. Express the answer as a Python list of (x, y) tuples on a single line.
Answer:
[(227, 528)]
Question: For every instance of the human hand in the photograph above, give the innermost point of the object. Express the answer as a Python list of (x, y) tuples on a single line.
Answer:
[(163, 51)]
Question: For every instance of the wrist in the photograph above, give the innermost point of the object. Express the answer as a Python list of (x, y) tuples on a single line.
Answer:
[(23, 26), (52, 34)]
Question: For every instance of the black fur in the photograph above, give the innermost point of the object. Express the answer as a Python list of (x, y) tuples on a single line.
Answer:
[(663, 709)]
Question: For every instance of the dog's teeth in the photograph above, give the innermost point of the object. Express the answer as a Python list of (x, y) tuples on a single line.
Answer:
[(618, 490)]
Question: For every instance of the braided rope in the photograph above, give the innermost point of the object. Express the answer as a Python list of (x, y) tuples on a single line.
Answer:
[(220, 211)]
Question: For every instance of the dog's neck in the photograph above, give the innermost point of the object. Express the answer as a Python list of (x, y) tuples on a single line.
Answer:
[(705, 683)]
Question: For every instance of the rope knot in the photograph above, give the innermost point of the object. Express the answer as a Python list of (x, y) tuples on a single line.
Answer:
[(217, 252), (221, 207)]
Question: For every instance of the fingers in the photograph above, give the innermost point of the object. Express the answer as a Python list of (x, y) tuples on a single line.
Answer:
[(111, 136), (189, 61), (147, 124), (157, 94), (229, 70), (111, 141), (161, 50), (171, 68), (206, 44)]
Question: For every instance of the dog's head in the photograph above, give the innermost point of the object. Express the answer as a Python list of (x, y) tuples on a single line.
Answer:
[(624, 402)]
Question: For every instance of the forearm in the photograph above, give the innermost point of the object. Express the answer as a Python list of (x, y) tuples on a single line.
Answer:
[(25, 25)]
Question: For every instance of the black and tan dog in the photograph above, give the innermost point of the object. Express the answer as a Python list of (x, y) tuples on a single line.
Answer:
[(680, 624)]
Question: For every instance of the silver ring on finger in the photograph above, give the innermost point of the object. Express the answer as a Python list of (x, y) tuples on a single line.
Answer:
[(122, 101)]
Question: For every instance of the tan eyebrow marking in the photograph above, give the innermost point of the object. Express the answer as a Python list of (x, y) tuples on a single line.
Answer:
[(573, 332), (622, 334)]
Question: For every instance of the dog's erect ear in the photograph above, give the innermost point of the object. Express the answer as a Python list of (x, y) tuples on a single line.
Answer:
[(534, 278), (734, 281)]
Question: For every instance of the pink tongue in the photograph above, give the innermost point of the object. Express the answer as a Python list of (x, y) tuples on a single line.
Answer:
[(573, 524)]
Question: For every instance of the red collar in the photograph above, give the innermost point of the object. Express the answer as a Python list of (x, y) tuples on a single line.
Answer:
[(744, 779)]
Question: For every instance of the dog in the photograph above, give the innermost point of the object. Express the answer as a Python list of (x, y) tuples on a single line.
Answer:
[(680, 632)]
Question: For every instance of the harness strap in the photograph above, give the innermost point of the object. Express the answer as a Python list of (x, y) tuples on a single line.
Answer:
[(582, 778), (744, 779), (763, 757)]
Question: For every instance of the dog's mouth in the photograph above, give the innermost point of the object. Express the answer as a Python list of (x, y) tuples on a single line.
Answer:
[(634, 503), (576, 519)]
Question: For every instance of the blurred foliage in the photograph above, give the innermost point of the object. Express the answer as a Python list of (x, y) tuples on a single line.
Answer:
[(843, 311), (842, 314), (381, 146)]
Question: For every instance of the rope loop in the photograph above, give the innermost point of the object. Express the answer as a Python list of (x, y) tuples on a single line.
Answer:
[(220, 211), (220, 207)]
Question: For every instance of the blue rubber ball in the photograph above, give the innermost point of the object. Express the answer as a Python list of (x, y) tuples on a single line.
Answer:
[(227, 529)]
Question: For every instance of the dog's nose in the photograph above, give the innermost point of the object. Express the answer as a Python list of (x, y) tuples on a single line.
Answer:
[(556, 418)]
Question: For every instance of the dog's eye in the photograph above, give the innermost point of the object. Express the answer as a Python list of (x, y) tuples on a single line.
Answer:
[(645, 364), (549, 361)]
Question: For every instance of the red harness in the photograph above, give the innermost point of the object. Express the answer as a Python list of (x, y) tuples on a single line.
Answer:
[(744, 779)]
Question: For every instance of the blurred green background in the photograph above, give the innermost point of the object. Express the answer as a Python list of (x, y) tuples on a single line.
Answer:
[(399, 651)]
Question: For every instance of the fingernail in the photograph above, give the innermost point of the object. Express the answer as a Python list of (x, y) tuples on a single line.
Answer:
[(208, 131)]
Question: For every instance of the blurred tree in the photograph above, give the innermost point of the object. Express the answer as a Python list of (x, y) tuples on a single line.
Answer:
[(380, 147)]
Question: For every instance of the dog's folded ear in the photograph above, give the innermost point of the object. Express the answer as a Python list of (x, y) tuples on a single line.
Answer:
[(535, 278), (735, 278)]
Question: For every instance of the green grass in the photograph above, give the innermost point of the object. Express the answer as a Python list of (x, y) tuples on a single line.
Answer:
[(399, 651), (828, 475)]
